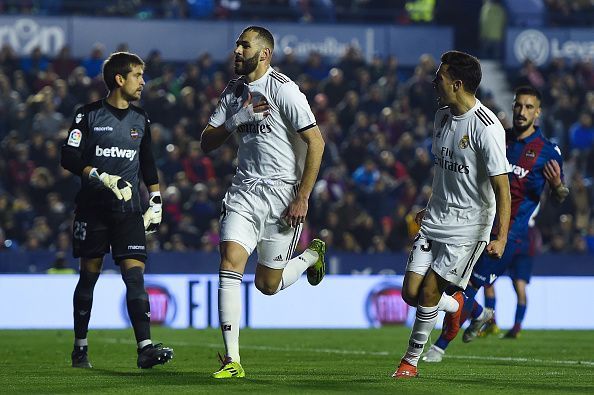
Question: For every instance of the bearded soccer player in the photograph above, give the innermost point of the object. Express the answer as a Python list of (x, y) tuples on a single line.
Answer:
[(535, 162), (470, 187), (109, 146), (280, 151)]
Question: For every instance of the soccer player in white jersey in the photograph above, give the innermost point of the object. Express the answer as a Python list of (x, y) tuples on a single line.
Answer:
[(470, 188), (280, 151)]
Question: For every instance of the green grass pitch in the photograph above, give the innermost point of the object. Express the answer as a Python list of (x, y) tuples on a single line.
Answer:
[(300, 362)]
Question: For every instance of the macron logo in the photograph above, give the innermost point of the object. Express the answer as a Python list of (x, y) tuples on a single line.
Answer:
[(115, 152), (103, 129)]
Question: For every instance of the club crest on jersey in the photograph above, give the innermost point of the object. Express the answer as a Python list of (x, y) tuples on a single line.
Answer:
[(464, 142), (530, 154), (134, 132)]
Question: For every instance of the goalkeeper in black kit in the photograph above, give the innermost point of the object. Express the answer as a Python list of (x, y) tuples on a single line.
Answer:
[(109, 146)]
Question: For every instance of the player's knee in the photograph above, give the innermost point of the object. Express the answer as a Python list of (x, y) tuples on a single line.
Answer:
[(134, 280), (229, 264), (410, 299), (429, 296), (266, 286), (410, 296), (86, 285)]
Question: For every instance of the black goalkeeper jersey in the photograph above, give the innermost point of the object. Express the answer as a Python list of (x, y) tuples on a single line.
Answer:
[(115, 141)]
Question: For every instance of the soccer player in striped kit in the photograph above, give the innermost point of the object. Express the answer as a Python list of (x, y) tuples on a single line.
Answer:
[(279, 156), (535, 163)]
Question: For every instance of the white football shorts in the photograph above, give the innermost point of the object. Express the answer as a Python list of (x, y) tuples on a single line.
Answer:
[(252, 217), (452, 262)]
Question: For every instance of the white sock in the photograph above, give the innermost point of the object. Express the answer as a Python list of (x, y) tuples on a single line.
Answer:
[(448, 304), (424, 324), (230, 311), (295, 268), (481, 315), (144, 343)]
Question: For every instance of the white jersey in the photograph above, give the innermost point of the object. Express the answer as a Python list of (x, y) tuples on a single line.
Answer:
[(467, 149), (270, 150)]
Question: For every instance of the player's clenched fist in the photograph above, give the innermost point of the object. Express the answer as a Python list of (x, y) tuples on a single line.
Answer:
[(496, 248), (249, 113)]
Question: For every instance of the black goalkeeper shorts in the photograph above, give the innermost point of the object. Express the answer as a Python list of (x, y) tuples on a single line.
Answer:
[(95, 231)]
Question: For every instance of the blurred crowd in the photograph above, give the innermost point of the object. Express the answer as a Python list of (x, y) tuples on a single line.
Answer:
[(376, 118), (570, 12)]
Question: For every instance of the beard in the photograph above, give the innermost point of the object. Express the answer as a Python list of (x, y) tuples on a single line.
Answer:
[(130, 97), (247, 66), (522, 128)]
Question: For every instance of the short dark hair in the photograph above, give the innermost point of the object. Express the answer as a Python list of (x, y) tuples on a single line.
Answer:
[(119, 63), (263, 34), (463, 67), (528, 90)]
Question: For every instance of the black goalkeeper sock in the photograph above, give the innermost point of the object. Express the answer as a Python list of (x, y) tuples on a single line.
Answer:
[(137, 301), (83, 302)]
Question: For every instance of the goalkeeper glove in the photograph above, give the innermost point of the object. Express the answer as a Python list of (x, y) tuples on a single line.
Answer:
[(245, 115), (152, 216), (120, 187)]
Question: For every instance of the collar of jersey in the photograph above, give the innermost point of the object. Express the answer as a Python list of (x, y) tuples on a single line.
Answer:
[(531, 137), (261, 78), (467, 113)]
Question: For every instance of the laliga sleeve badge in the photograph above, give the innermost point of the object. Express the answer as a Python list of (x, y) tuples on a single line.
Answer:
[(74, 138)]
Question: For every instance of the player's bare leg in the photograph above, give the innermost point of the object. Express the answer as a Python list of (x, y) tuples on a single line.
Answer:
[(411, 287), (271, 281), (90, 268)]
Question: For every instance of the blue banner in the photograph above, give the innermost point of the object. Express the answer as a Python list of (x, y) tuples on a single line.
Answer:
[(337, 262), (186, 40), (542, 45)]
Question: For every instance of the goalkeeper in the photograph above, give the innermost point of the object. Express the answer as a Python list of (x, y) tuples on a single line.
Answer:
[(109, 146)]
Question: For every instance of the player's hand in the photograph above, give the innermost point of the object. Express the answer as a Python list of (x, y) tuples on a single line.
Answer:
[(419, 216), (552, 173), (152, 216), (120, 187), (496, 248), (296, 212), (249, 113)]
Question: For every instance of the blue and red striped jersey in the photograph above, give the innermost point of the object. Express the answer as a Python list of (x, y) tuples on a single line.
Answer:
[(527, 181)]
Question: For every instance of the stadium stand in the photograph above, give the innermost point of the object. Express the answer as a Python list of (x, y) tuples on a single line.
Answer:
[(376, 118)]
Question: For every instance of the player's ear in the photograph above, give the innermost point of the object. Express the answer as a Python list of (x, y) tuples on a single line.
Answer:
[(457, 85), (265, 54), (120, 80)]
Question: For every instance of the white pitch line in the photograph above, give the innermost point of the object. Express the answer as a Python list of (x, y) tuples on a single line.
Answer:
[(360, 352), (263, 348), (512, 359)]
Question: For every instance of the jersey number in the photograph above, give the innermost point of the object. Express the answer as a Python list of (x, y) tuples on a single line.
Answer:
[(424, 247), (80, 230)]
